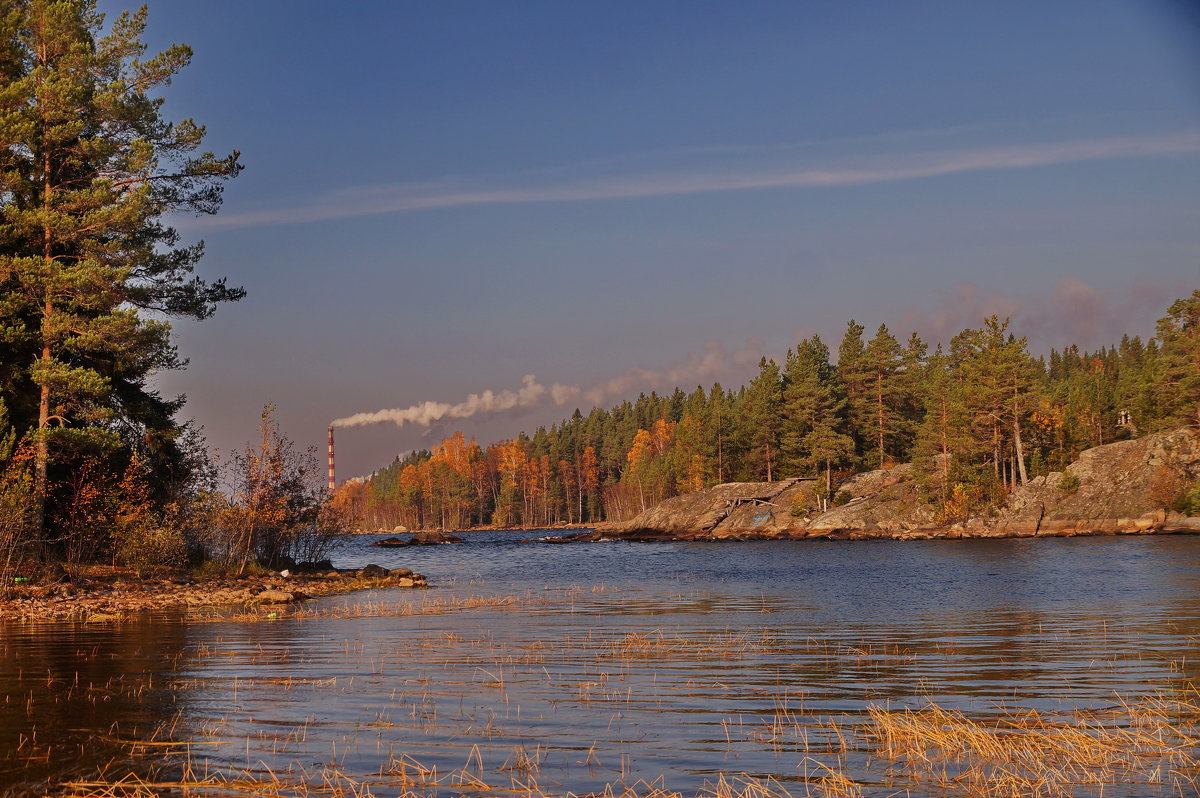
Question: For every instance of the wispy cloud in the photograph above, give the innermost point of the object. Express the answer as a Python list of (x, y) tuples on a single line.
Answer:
[(1074, 311), (520, 189)]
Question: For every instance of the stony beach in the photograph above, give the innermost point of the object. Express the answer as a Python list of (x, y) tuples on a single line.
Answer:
[(107, 594)]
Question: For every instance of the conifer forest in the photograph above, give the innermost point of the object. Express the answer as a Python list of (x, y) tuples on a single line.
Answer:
[(96, 465), (982, 409)]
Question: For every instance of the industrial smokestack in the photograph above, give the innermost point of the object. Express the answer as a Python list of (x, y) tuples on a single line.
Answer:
[(332, 478)]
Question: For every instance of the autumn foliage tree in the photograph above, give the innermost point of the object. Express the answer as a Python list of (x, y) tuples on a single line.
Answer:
[(278, 507), (648, 465), (16, 497)]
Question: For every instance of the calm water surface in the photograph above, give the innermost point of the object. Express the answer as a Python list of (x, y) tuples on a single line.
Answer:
[(615, 661)]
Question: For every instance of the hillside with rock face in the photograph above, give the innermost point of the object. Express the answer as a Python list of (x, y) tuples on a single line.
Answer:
[(727, 510), (1119, 488), (885, 501)]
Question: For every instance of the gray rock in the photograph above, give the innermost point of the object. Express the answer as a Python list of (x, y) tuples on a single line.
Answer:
[(433, 538), (1123, 488)]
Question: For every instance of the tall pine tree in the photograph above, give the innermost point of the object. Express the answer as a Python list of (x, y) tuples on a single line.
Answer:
[(89, 168), (1178, 334), (761, 419), (882, 365), (851, 369), (814, 404)]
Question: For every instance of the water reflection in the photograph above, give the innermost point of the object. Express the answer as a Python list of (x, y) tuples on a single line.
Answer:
[(70, 693), (622, 661)]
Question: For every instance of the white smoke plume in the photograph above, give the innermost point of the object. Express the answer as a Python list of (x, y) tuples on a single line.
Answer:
[(713, 362), (530, 393)]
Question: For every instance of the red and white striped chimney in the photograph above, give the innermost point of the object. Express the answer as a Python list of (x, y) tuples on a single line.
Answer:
[(332, 479)]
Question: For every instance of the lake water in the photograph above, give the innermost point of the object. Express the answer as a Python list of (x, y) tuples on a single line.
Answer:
[(580, 666)]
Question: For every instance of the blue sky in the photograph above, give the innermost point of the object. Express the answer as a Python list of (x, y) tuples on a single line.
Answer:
[(441, 198)]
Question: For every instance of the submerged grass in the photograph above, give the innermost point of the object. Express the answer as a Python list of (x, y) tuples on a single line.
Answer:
[(1025, 753), (932, 750), (442, 691), (407, 778)]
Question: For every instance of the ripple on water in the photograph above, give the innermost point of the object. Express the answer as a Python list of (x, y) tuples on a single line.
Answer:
[(620, 660)]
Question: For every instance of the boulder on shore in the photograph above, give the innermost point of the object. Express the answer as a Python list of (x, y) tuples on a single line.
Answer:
[(886, 501)]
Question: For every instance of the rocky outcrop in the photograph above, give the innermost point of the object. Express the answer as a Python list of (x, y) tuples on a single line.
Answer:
[(427, 538), (1118, 488), (729, 510), (1122, 487), (883, 501), (433, 538)]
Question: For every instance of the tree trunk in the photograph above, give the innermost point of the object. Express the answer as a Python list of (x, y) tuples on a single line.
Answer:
[(720, 453), (579, 488), (41, 462), (996, 448), (41, 459), (945, 460), (879, 382), (1019, 449), (247, 542)]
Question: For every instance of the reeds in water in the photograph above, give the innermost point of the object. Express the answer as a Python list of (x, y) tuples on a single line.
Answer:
[(1028, 754)]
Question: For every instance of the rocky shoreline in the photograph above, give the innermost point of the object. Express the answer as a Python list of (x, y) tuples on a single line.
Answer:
[(1121, 488), (470, 529), (1189, 526), (109, 594)]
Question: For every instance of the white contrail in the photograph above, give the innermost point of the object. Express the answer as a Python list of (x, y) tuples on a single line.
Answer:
[(712, 362), (465, 192)]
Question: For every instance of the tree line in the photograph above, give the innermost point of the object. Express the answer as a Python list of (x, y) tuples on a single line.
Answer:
[(94, 464), (979, 416)]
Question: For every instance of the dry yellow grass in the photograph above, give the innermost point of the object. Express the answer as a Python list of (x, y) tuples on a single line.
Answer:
[(372, 609), (930, 751), (1028, 754), (407, 778)]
